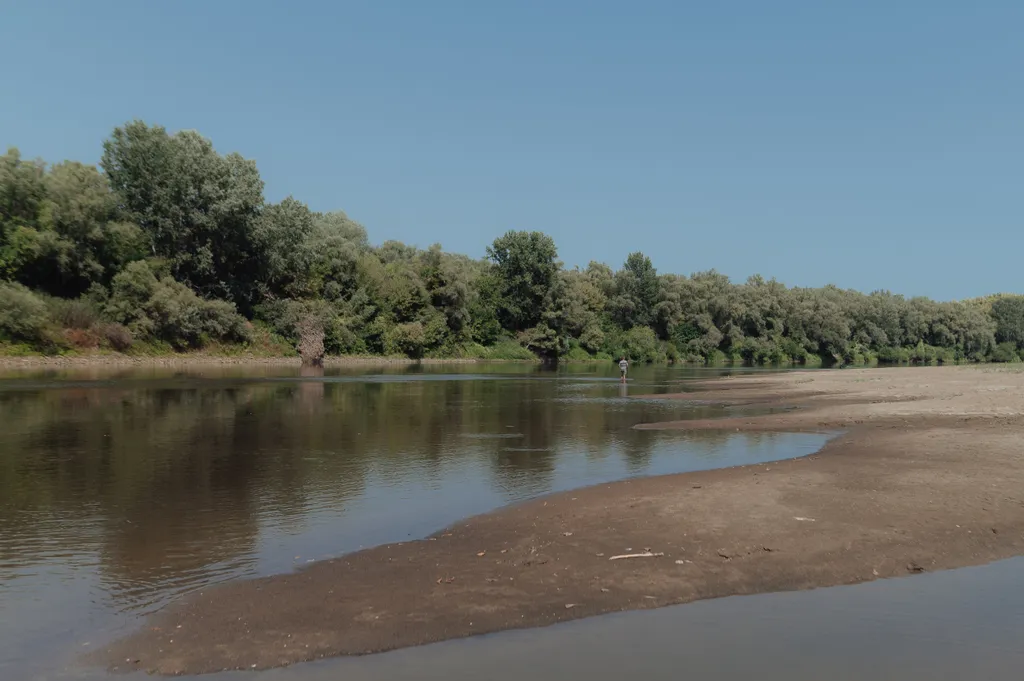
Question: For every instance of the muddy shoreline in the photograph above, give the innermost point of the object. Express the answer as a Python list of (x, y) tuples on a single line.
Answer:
[(927, 474)]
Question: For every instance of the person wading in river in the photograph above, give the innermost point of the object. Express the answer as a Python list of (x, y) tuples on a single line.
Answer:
[(623, 365)]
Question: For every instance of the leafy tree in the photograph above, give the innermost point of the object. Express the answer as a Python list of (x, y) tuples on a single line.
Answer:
[(527, 265), (154, 306), (23, 316), (172, 239), (638, 290), (450, 282), (22, 190), (1008, 313), (283, 233), (577, 304), (198, 209)]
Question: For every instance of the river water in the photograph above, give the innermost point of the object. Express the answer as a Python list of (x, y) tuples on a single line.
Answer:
[(122, 490)]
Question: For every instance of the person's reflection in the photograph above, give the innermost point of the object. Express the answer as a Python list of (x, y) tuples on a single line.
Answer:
[(623, 390)]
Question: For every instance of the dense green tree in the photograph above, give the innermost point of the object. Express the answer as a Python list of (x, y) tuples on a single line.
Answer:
[(58, 231), (198, 209), (22, 190), (1008, 314), (172, 244), (450, 282), (283, 233), (577, 305), (637, 292), (527, 264)]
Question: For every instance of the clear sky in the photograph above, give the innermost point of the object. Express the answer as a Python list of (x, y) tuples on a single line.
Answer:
[(870, 145)]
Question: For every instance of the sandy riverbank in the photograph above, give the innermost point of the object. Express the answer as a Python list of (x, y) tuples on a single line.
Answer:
[(928, 475)]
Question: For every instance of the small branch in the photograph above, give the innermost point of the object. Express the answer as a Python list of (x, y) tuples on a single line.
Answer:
[(646, 554)]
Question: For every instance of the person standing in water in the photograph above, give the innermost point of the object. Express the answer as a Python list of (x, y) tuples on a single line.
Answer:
[(623, 365)]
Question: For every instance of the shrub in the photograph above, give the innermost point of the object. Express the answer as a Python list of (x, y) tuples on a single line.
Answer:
[(82, 339), (118, 336), (762, 351), (543, 340), (508, 349), (893, 355), (640, 344), (165, 310), (669, 352), (79, 313), (715, 357), (407, 339), (1005, 352), (577, 354), (24, 316), (592, 338)]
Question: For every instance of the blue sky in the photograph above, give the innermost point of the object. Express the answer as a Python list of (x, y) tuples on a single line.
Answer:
[(870, 145)]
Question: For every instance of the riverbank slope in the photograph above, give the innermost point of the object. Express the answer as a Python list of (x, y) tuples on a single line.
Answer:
[(928, 475)]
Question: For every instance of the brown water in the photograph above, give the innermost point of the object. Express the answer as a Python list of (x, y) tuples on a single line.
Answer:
[(120, 491)]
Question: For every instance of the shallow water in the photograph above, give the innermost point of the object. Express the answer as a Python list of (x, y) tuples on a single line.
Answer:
[(961, 625), (121, 490)]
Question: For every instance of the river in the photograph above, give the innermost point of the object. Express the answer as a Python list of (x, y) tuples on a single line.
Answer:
[(120, 490)]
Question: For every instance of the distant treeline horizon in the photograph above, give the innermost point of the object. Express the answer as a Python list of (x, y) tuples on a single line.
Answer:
[(170, 246)]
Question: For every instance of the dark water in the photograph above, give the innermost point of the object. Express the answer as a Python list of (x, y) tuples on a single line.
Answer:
[(120, 491)]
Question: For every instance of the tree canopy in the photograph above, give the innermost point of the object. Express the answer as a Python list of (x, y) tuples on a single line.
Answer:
[(171, 243)]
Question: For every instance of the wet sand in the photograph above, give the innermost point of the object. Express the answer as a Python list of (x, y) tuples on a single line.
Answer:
[(954, 625), (928, 475)]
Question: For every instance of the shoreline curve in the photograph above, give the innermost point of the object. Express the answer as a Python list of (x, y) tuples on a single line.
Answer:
[(927, 475)]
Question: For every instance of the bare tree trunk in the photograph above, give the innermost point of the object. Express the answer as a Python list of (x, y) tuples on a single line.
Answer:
[(311, 341)]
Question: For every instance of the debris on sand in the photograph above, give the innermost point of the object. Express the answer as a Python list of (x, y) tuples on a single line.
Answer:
[(645, 554)]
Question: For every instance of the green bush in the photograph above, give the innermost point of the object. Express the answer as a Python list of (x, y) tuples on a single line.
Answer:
[(640, 344), (508, 349), (78, 313), (592, 338), (542, 340), (504, 349), (893, 355), (577, 354), (161, 309), (715, 358), (406, 339), (669, 351), (761, 351), (1005, 352), (24, 316)]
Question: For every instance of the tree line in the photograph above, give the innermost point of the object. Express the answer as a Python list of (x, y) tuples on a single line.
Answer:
[(169, 245)]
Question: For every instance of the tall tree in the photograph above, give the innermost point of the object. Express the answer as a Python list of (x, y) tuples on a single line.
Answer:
[(1008, 313), (197, 208), (22, 192), (283, 232), (638, 291), (526, 264)]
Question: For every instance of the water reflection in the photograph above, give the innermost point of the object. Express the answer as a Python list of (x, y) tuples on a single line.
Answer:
[(117, 495)]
